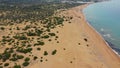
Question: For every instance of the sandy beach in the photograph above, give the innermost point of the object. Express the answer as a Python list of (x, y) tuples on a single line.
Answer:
[(80, 46)]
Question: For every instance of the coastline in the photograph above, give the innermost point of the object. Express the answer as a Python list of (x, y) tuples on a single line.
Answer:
[(108, 45), (65, 40), (101, 37), (80, 45), (104, 42)]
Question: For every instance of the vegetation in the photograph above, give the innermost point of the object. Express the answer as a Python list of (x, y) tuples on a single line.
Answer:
[(85, 39), (45, 53), (25, 63), (37, 20), (20, 56), (1, 66), (35, 57), (17, 66), (54, 52), (19, 13), (27, 59), (6, 64), (2, 28), (39, 49)]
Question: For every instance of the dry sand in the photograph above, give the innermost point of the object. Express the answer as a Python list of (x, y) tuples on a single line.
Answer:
[(73, 51)]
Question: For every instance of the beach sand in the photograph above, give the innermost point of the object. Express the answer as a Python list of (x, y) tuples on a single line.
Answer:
[(80, 46)]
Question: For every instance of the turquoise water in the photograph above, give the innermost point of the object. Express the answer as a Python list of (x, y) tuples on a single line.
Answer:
[(105, 18)]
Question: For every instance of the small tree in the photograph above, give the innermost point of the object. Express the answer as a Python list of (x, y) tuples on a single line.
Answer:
[(45, 53), (54, 52)]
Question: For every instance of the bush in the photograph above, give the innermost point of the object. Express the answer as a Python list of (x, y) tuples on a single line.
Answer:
[(17, 66), (45, 53), (39, 32), (46, 36), (27, 27), (6, 56), (2, 28), (13, 59), (23, 37), (6, 64), (27, 59), (85, 39), (25, 63), (0, 56), (54, 52), (52, 34), (1, 66), (41, 60), (20, 56), (31, 34), (24, 50), (35, 57), (39, 43), (39, 49), (18, 28)]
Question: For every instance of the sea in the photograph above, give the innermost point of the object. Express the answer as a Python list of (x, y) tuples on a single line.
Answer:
[(105, 18)]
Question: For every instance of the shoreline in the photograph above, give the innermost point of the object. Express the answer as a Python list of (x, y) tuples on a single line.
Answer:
[(101, 35), (108, 46), (103, 39)]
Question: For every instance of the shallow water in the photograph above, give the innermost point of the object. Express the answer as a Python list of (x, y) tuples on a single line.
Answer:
[(105, 18)]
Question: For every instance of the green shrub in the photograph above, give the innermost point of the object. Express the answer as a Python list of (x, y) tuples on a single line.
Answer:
[(45, 37), (1, 66), (18, 28), (13, 59), (85, 39), (0, 56), (27, 27), (45, 53), (39, 43), (20, 56), (23, 37), (54, 52), (39, 49), (52, 34), (2, 28), (35, 57), (6, 56), (24, 50), (39, 32), (49, 40), (17, 66), (25, 63), (27, 59), (31, 34), (41, 60), (6, 64)]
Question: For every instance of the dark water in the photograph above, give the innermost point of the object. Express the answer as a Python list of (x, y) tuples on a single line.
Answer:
[(105, 18)]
